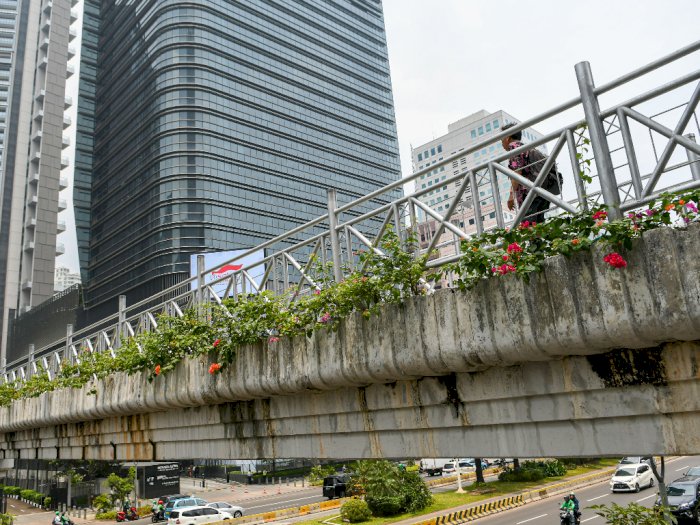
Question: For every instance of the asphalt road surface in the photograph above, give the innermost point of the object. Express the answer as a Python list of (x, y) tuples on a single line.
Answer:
[(547, 511)]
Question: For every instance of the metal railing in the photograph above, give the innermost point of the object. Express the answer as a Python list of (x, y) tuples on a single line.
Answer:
[(623, 180)]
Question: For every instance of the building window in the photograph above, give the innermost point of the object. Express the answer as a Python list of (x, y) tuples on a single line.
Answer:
[(488, 127), (492, 215), (495, 124), (439, 148), (420, 157), (473, 133), (432, 151), (425, 154), (471, 222), (481, 130)]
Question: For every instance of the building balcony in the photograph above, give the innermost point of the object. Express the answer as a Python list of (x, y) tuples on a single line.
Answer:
[(62, 205), (65, 142), (33, 201), (40, 96), (70, 71), (39, 115), (62, 183), (65, 162), (73, 3), (60, 226), (37, 135), (60, 249), (72, 34), (48, 7), (73, 15), (71, 52), (31, 223), (36, 157), (66, 121), (34, 179), (44, 43), (29, 246), (46, 28), (67, 102), (27, 285)]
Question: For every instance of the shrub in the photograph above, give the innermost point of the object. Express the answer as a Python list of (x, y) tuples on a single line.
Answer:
[(521, 474), (6, 519), (385, 505), (355, 511), (146, 510), (12, 491), (550, 468), (110, 515), (47, 502), (416, 494), (103, 503)]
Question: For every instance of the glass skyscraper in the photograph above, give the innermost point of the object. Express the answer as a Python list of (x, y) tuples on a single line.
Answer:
[(220, 124)]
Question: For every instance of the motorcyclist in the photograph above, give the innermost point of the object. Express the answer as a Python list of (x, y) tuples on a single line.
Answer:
[(160, 510), (57, 519), (569, 506), (577, 512)]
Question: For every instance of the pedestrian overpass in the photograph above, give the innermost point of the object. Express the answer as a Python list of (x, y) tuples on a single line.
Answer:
[(581, 361)]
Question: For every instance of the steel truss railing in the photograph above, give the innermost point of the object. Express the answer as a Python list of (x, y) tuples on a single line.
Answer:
[(335, 237)]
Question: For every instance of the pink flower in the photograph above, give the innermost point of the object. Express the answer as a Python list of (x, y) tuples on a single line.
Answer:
[(615, 260), (214, 368), (273, 339), (692, 207), (599, 224), (325, 317), (526, 224), (216, 343), (600, 215), (503, 269), (631, 215), (317, 292), (650, 212), (514, 248)]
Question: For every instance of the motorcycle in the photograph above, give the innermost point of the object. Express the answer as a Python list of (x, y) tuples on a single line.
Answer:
[(130, 515), (157, 516), (567, 517)]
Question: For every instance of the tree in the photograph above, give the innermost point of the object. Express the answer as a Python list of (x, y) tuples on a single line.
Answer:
[(632, 514), (662, 488), (121, 487), (479, 470)]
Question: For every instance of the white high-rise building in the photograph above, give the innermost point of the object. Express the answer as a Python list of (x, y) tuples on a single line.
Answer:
[(64, 278), (35, 48), (461, 135)]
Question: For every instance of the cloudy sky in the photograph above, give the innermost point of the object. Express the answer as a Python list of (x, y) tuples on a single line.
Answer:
[(450, 58)]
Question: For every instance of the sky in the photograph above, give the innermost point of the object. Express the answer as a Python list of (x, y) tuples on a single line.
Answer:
[(451, 58)]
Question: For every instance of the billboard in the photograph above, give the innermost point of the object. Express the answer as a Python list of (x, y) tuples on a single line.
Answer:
[(216, 263), (161, 480)]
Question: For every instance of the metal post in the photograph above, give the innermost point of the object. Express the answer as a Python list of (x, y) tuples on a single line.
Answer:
[(200, 279), (693, 158), (335, 240), (121, 332), (30, 363), (599, 141), (69, 343)]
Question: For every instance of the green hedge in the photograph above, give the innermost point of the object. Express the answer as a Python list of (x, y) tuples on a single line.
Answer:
[(355, 511)]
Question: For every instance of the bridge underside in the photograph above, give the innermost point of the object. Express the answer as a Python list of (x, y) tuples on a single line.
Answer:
[(624, 402)]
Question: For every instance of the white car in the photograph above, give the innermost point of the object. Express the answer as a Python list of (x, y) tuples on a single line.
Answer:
[(197, 515), (233, 510), (632, 478)]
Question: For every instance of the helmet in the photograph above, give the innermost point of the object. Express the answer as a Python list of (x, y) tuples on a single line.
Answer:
[(160, 502), (571, 494)]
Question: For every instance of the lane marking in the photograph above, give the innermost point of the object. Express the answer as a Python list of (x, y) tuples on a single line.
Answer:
[(682, 468), (535, 518), (598, 497), (589, 519), (647, 497), (278, 502)]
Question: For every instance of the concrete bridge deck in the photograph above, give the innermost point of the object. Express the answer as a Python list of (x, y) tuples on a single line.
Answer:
[(584, 360)]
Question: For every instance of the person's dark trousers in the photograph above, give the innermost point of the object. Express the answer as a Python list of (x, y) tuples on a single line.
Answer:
[(537, 209)]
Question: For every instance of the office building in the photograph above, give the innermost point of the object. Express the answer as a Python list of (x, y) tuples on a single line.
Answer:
[(34, 54), (461, 135), (218, 125), (65, 279)]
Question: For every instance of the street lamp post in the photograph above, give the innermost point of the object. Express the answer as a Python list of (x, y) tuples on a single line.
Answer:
[(460, 490)]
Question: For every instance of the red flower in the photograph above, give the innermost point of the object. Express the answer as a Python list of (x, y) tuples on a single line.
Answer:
[(214, 368), (514, 248), (526, 224), (615, 260), (575, 241), (157, 370), (503, 269), (273, 339), (216, 343), (504, 257), (600, 215)]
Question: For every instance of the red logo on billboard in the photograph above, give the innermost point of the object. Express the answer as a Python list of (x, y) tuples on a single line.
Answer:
[(227, 268)]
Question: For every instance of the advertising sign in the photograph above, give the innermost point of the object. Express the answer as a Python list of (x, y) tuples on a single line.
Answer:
[(217, 261), (161, 480)]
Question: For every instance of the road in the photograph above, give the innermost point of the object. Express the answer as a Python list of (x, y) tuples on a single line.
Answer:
[(547, 511)]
